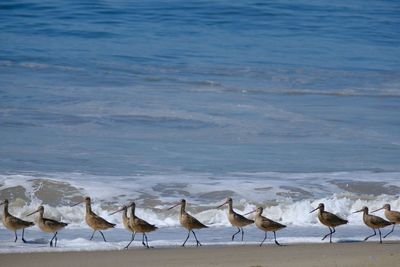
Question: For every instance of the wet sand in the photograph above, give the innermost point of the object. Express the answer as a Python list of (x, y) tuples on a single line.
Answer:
[(307, 255)]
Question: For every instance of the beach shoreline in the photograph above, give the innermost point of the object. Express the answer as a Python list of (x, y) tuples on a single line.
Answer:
[(336, 254)]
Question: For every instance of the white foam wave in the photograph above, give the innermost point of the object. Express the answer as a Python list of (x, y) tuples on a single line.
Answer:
[(204, 193)]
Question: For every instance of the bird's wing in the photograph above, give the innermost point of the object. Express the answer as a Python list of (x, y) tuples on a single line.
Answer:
[(15, 220), (378, 221), (102, 221), (242, 218), (266, 222), (53, 223), (396, 216), (142, 222), (193, 221), (333, 218)]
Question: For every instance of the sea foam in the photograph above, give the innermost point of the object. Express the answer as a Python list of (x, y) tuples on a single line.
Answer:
[(286, 197)]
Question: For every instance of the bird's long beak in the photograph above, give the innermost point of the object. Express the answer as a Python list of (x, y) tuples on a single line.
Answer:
[(377, 210), (121, 209), (1, 203), (174, 206), (32, 213), (314, 209), (250, 212), (77, 204), (222, 204), (357, 211)]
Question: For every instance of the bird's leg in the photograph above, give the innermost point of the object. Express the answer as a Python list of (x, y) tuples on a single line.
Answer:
[(92, 234), (330, 237), (55, 239), (233, 237), (103, 236), (16, 236), (186, 239), (242, 233), (133, 238), (23, 239), (147, 241), (51, 240), (133, 235), (265, 237), (390, 231), (276, 242), (197, 241), (380, 236), (143, 243), (330, 232), (365, 239)]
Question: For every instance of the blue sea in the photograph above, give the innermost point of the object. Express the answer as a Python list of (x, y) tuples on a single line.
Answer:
[(280, 104)]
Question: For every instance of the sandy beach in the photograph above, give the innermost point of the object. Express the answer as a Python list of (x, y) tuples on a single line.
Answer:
[(339, 254)]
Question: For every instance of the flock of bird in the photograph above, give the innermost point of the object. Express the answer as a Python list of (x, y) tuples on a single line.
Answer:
[(136, 225)]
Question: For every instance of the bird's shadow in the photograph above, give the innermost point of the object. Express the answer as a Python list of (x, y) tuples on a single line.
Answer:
[(363, 241), (37, 241), (349, 241)]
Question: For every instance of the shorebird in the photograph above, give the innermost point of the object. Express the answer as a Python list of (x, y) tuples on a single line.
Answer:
[(266, 224), (125, 221), (137, 225), (374, 222), (391, 215), (328, 219), (49, 225), (13, 223), (125, 218), (188, 221), (93, 220), (236, 219)]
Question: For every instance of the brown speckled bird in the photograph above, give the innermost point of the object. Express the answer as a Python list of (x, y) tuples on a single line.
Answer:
[(373, 222), (94, 221), (188, 221), (13, 223), (267, 225), (328, 219), (392, 215), (236, 219)]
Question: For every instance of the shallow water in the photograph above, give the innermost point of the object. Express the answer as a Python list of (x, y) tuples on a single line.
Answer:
[(78, 239)]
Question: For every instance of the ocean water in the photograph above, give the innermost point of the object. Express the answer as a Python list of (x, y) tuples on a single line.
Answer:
[(278, 104)]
